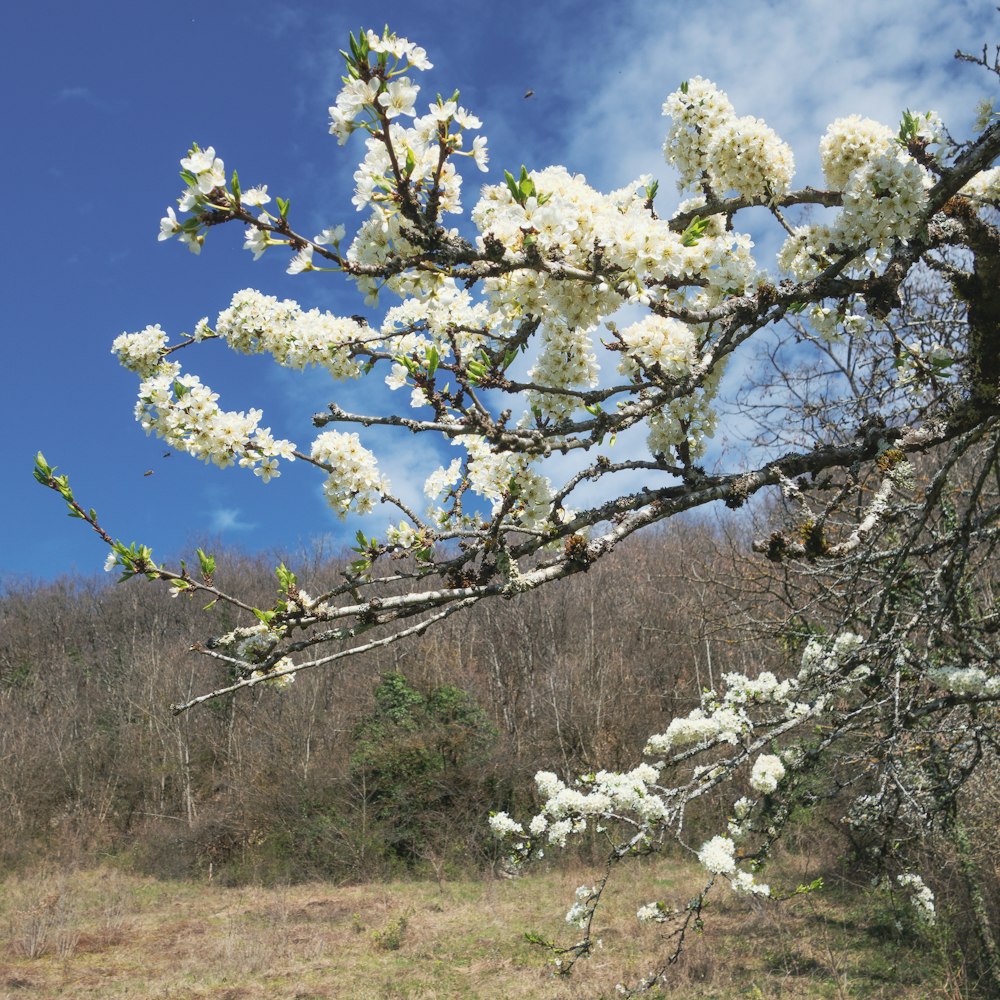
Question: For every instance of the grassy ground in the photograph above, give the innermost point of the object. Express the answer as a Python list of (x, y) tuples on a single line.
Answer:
[(106, 934)]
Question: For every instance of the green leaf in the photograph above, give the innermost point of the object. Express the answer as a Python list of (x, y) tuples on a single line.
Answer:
[(62, 485), (42, 470), (207, 563), (476, 370), (907, 127), (286, 578), (235, 186), (283, 207), (534, 938), (408, 363), (813, 886), (433, 358), (694, 231)]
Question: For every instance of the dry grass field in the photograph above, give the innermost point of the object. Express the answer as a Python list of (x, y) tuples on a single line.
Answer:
[(109, 935)]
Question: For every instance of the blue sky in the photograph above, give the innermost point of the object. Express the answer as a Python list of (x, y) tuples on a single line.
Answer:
[(105, 98)]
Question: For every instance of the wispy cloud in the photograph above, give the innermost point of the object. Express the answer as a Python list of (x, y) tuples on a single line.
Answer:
[(796, 65), (77, 94), (224, 519), (283, 20)]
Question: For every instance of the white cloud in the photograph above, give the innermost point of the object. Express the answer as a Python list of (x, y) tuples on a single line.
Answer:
[(78, 94), (229, 519), (798, 65)]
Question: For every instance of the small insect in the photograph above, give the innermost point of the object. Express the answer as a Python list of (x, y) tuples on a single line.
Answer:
[(148, 472), (528, 93)]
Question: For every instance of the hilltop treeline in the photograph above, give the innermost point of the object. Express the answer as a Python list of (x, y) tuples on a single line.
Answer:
[(393, 759)]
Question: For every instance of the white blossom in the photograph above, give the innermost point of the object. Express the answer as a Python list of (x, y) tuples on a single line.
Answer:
[(767, 771), (921, 897), (718, 856), (354, 482)]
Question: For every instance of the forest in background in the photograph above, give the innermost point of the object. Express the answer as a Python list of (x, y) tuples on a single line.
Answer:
[(386, 766), (391, 761)]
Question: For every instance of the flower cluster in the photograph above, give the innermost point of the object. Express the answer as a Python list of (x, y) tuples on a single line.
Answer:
[(718, 856), (884, 196), (566, 810), (558, 216), (506, 478), (707, 143), (664, 351), (651, 913), (883, 201), (965, 680), (829, 659), (696, 110), (354, 482), (727, 720), (442, 479), (740, 823), (407, 170), (255, 323), (582, 906), (141, 352), (374, 88), (186, 414), (657, 347), (503, 826), (921, 897), (566, 359), (745, 155), (204, 174), (849, 144), (280, 676), (427, 330), (767, 771)]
